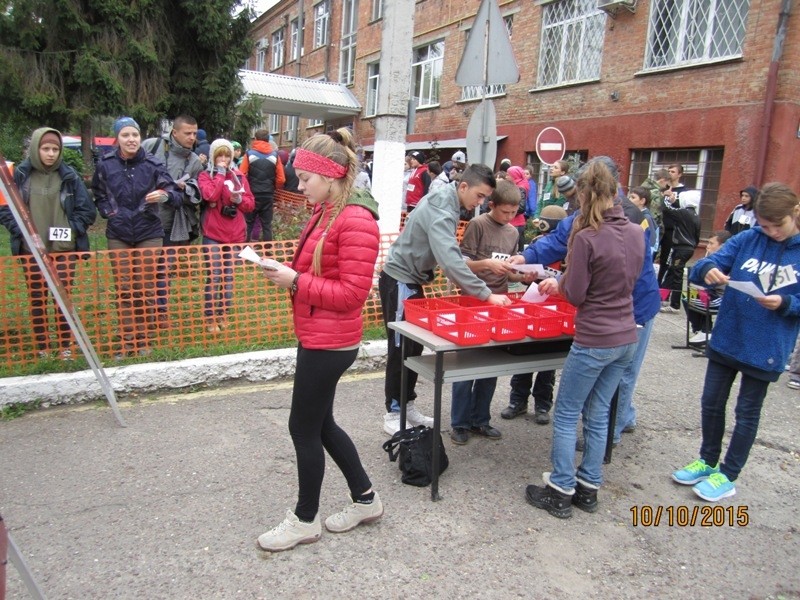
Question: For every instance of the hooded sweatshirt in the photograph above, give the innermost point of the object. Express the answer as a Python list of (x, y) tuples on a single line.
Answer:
[(746, 335), (742, 217), (56, 197)]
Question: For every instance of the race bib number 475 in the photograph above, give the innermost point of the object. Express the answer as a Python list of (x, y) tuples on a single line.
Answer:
[(60, 234)]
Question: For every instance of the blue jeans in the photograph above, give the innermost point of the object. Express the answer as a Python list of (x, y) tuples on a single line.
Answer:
[(588, 381), (717, 388), (219, 283), (626, 412), (471, 401)]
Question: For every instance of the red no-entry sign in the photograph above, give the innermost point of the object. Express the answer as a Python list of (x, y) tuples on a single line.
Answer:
[(550, 145)]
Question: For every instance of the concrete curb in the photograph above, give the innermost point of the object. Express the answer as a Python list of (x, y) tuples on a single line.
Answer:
[(82, 386)]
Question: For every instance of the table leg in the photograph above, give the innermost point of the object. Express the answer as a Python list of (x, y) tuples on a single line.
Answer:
[(403, 381), (437, 424), (612, 421)]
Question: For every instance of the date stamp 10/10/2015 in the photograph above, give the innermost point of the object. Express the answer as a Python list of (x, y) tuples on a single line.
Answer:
[(647, 515)]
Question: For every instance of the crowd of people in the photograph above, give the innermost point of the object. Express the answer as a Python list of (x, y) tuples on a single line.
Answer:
[(608, 253)]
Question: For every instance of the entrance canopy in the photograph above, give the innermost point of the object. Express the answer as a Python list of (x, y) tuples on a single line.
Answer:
[(307, 98)]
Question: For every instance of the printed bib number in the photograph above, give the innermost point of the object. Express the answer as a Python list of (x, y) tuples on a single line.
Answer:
[(785, 276), (60, 234)]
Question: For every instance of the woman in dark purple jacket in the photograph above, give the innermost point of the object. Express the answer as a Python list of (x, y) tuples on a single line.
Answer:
[(605, 255), (128, 185)]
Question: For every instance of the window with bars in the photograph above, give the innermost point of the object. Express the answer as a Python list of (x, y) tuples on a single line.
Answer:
[(277, 48), (377, 10), (296, 39), (426, 75), (475, 92), (347, 45), (322, 17), (702, 170), (373, 80), (686, 32), (571, 49)]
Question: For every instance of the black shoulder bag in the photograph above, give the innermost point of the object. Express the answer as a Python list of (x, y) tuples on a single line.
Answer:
[(414, 446)]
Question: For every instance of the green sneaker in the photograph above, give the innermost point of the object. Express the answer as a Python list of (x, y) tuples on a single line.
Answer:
[(716, 487), (694, 472)]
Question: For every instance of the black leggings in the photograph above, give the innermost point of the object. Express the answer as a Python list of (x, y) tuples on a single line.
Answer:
[(314, 430)]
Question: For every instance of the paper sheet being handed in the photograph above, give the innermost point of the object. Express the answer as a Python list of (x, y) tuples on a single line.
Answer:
[(249, 254), (532, 294), (748, 287)]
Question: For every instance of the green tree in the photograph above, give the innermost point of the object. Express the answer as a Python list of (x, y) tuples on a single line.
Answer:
[(63, 62)]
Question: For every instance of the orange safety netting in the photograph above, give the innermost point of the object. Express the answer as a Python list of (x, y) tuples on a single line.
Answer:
[(160, 303)]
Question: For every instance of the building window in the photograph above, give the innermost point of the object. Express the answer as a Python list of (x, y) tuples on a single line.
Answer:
[(685, 32), (347, 63), (377, 10), (373, 79), (572, 42), (427, 73), (291, 129), (296, 39), (274, 124), (322, 17), (316, 123), (277, 48), (702, 170), (261, 55), (475, 92)]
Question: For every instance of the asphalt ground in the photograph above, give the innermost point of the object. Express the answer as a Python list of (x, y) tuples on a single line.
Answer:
[(170, 507)]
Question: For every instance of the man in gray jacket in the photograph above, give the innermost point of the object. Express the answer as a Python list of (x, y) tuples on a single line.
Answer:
[(428, 240), (182, 224)]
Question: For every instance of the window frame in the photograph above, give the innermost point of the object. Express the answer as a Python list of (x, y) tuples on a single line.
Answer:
[(347, 43), (322, 20), (583, 61), (373, 88), (424, 74), (277, 45), (678, 42)]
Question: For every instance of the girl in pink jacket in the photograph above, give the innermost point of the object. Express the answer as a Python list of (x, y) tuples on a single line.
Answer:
[(226, 197)]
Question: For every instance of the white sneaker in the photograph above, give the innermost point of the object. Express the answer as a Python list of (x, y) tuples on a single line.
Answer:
[(391, 422), (414, 417), (289, 533), (699, 338), (355, 514)]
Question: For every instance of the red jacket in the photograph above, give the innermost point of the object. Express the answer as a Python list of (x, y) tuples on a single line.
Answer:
[(328, 307), (418, 185), (216, 192)]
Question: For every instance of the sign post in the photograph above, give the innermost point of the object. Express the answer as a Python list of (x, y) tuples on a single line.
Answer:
[(550, 145), (488, 59)]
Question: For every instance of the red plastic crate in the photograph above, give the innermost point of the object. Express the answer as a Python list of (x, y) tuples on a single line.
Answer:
[(464, 301), (507, 325), (543, 323), (419, 310), (463, 327), (569, 312)]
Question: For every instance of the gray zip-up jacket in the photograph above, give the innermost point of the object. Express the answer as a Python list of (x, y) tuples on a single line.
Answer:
[(428, 240)]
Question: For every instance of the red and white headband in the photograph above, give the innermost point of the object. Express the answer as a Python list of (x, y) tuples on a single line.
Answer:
[(306, 160)]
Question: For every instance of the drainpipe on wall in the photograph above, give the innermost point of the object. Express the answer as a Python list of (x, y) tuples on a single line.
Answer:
[(772, 84)]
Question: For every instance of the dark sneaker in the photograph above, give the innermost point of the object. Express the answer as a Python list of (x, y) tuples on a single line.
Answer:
[(514, 410), (579, 445), (585, 497), (550, 499), (486, 431), (542, 417), (629, 428), (459, 435)]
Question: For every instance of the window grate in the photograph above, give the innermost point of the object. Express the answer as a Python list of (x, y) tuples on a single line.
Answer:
[(687, 32), (572, 42)]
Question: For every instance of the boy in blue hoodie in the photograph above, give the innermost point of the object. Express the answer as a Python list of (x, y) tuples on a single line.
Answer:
[(754, 334)]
